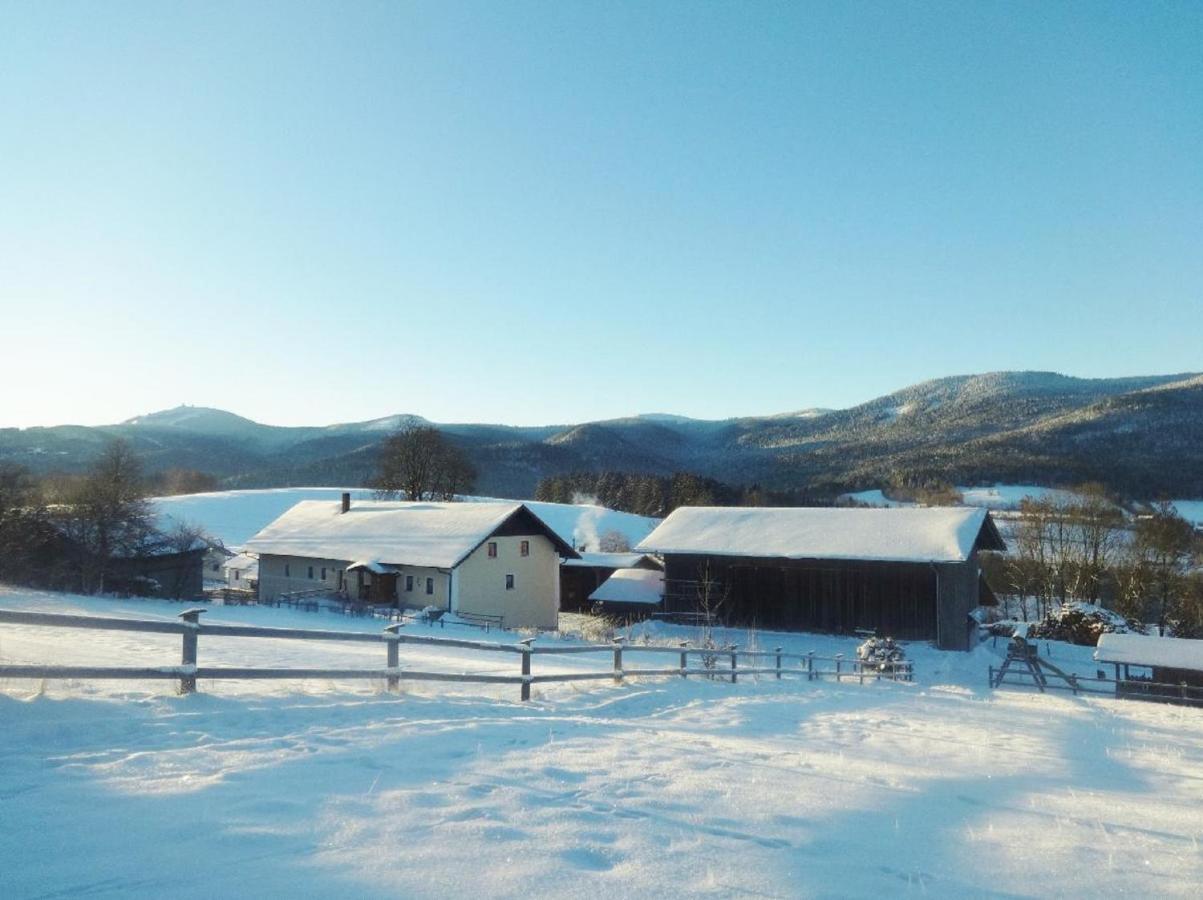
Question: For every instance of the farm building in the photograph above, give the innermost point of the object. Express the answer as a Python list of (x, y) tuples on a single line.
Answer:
[(582, 576), (159, 572), (484, 559), (241, 572), (906, 573)]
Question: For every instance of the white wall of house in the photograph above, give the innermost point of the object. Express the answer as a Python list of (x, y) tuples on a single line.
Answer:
[(282, 574), (241, 579), (533, 601), (418, 597)]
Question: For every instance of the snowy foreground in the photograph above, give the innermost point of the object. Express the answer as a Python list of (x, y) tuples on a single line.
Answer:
[(656, 789)]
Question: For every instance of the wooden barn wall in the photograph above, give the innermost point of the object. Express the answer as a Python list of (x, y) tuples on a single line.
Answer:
[(901, 600)]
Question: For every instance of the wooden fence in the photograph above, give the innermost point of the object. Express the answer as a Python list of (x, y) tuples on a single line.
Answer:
[(1123, 686), (721, 663)]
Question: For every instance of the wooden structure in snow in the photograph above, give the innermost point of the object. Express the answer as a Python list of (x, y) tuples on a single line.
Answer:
[(911, 574), (1175, 666)]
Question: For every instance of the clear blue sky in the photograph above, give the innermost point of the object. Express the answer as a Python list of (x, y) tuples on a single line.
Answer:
[(555, 212)]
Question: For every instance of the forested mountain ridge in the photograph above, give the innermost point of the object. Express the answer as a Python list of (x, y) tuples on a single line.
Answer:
[(1141, 436)]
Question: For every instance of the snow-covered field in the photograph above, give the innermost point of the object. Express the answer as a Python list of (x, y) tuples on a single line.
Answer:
[(236, 516), (664, 788), (997, 496), (1191, 510)]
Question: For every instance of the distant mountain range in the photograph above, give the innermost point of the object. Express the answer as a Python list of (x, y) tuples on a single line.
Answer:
[(1141, 436)]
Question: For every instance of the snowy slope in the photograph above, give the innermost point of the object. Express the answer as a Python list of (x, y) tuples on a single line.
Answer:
[(998, 496), (665, 789), (1191, 510), (235, 516)]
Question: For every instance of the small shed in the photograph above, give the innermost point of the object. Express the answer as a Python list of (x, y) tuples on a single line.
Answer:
[(630, 592), (1175, 663), (579, 578), (159, 572)]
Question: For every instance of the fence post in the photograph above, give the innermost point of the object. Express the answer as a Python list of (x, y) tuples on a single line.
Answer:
[(394, 655), (810, 665), (526, 668), (684, 658), (839, 664), (778, 651), (618, 660), (191, 618), (734, 654)]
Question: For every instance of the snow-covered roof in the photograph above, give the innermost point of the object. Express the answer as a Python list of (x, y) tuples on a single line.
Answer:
[(606, 560), (631, 586), (945, 534), (1143, 650), (242, 561), (438, 535), (371, 565)]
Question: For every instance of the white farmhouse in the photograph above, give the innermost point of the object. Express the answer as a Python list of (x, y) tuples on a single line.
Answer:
[(241, 572), (489, 559)]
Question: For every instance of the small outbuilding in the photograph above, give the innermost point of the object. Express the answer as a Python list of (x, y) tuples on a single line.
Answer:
[(910, 573), (1175, 665), (580, 577), (630, 592), (159, 572)]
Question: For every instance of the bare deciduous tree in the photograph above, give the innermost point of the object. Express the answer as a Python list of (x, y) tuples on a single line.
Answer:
[(418, 463), (1164, 546), (614, 541)]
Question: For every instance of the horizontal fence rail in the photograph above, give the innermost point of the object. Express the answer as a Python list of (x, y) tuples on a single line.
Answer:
[(710, 662)]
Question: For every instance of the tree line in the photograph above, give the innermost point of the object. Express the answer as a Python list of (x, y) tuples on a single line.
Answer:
[(1083, 547), (658, 495), (65, 532)]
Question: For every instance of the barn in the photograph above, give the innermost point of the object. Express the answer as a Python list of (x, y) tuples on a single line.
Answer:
[(909, 573)]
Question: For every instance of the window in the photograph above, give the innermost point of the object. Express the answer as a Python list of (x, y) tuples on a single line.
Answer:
[(323, 573), (492, 549), (311, 573), (340, 579), (430, 585), (236, 575), (525, 548), (409, 582), (287, 570), (509, 582)]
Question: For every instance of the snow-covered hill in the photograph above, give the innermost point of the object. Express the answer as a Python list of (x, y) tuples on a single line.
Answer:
[(998, 496)]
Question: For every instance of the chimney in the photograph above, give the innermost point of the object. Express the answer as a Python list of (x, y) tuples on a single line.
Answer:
[(346, 501)]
